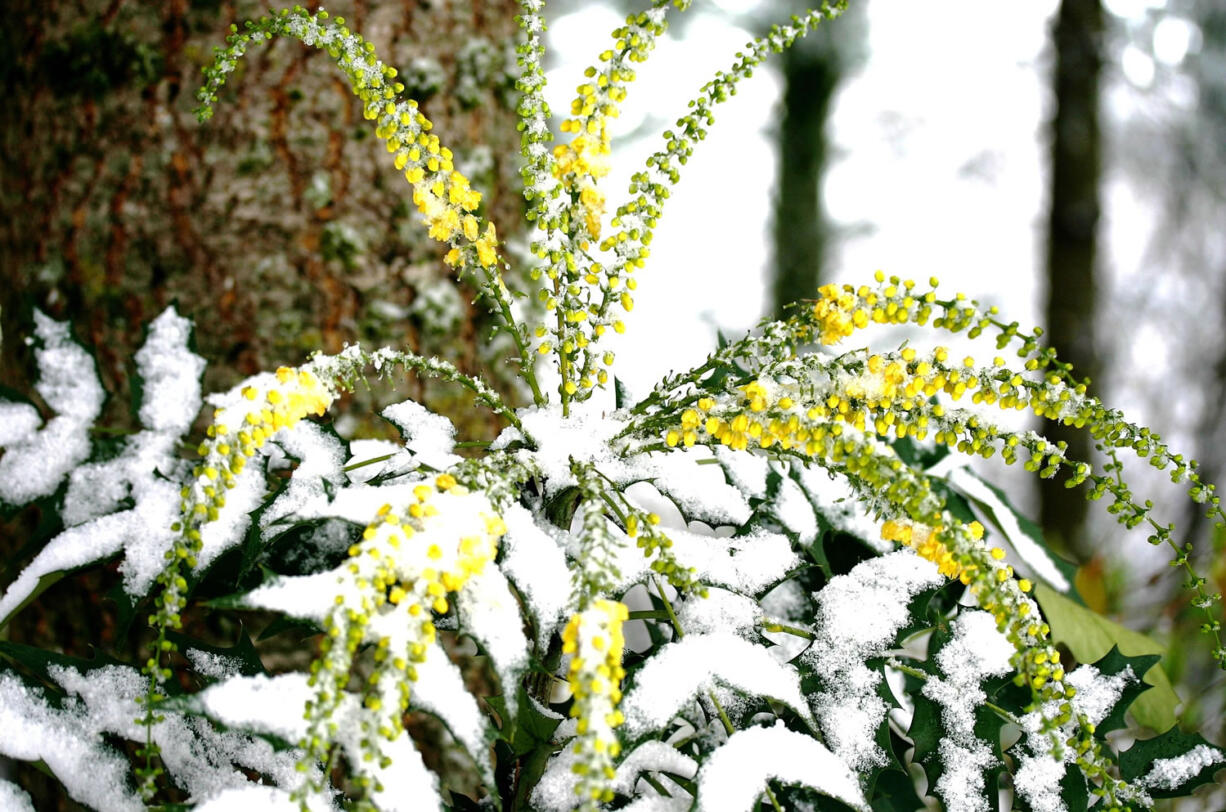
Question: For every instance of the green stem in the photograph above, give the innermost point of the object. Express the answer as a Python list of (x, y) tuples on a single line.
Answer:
[(364, 463), (773, 800), (771, 626)]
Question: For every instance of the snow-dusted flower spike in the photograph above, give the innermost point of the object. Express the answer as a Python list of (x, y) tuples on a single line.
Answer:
[(594, 640), (771, 554), (412, 558)]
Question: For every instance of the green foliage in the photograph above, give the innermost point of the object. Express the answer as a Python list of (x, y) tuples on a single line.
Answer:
[(692, 599)]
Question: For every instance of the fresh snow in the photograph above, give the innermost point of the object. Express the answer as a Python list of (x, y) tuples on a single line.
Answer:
[(735, 775), (35, 462), (858, 616), (682, 670), (976, 651), (1170, 773)]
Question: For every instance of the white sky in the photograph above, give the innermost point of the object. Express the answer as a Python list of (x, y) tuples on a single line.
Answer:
[(941, 167)]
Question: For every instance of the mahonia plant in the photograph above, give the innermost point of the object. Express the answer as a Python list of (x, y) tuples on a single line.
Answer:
[(769, 583)]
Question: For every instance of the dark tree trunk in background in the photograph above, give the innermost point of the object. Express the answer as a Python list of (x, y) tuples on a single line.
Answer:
[(812, 68), (1071, 238)]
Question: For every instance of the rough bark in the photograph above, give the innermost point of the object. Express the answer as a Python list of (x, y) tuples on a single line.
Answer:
[(280, 225)]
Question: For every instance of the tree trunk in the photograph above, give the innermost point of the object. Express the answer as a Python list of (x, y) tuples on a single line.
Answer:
[(1071, 239), (279, 225), (812, 70)]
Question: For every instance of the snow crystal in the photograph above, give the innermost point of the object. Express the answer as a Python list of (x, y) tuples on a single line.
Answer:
[(310, 597), (68, 383), (695, 664), (230, 527), (659, 803), (746, 471), (1031, 554), (201, 759), (490, 613), (440, 690), (977, 650), (746, 564), (320, 459), (1037, 779), (1097, 694), (143, 472), (720, 611), (364, 450), (272, 705), (735, 775), (839, 505), (651, 756), (75, 547), (858, 615), (18, 422), (170, 375), (583, 436), (1169, 773), (537, 565), (405, 784), (429, 436), (13, 798), (91, 772), (794, 509), (701, 491), (555, 791), (266, 799), (213, 666)]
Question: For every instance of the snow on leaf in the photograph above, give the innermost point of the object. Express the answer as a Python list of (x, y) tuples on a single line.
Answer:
[(1030, 551), (735, 775), (201, 759), (429, 436), (91, 771), (13, 798), (696, 664), (489, 612), (858, 615), (320, 458), (534, 561), (36, 462), (977, 650)]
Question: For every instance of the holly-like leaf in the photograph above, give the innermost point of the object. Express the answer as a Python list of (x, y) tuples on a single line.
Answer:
[(1173, 764), (1114, 663), (1090, 637), (242, 654)]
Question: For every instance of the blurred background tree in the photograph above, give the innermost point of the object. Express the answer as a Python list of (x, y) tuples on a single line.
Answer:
[(1075, 167)]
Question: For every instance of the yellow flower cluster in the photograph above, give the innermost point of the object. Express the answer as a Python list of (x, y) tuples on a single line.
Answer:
[(593, 638), (927, 544), (404, 570), (840, 310), (265, 406)]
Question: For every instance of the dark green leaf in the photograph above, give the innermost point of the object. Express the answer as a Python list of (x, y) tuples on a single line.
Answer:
[(894, 791), (243, 651), (621, 398), (1074, 791), (1139, 759), (1113, 663)]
